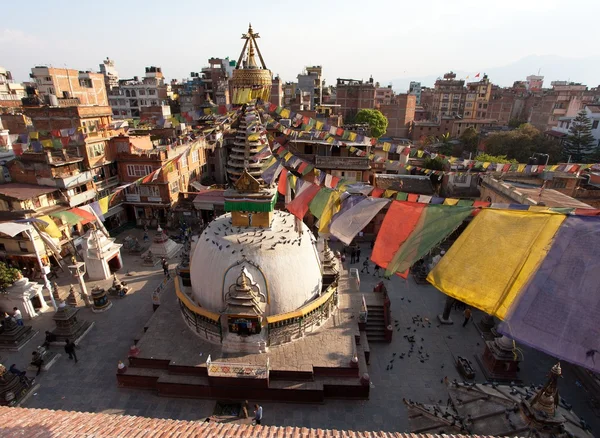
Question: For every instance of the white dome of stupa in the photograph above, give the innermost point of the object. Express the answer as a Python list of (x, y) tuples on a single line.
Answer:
[(282, 263)]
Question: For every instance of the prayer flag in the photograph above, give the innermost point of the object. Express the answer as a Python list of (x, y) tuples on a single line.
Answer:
[(319, 201), (347, 225), (520, 239), (282, 184), (557, 311), (299, 205), (51, 228), (331, 208)]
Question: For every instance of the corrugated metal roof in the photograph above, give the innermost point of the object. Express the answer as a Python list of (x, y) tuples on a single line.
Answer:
[(23, 192)]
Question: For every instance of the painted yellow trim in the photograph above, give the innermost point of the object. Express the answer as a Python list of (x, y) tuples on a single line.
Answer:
[(193, 307), (303, 310)]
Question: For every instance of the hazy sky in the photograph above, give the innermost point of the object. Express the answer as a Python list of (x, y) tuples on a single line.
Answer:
[(391, 40)]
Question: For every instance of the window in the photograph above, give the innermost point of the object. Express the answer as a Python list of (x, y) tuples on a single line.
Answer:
[(174, 187), (154, 103), (86, 83), (142, 92), (183, 161), (151, 191), (595, 124), (559, 184), (23, 246), (152, 92), (138, 170), (460, 179), (48, 79), (195, 156), (469, 104), (2, 247), (96, 150)]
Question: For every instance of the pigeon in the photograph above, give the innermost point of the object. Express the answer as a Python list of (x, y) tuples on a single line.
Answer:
[(393, 354), (233, 252), (227, 246)]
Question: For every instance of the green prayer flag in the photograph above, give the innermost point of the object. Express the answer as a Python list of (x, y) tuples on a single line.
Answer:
[(319, 202)]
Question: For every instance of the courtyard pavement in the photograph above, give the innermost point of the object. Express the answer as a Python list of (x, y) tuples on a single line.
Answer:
[(90, 385)]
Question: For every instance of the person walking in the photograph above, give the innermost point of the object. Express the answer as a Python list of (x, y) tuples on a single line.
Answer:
[(18, 316), (36, 360), (70, 349), (365, 266), (352, 256), (358, 255), (376, 271), (165, 266), (146, 237), (467, 314), (258, 414)]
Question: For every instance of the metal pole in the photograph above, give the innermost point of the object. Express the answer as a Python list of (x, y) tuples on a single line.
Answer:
[(42, 270), (86, 296)]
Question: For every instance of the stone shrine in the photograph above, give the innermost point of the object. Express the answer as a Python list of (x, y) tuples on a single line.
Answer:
[(12, 387), (13, 337), (101, 254), (27, 296), (500, 360), (68, 326), (162, 246)]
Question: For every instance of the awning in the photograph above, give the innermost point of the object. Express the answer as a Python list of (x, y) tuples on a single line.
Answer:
[(208, 199), (12, 228), (198, 186)]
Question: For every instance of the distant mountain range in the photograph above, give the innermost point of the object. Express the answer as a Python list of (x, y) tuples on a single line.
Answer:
[(553, 68)]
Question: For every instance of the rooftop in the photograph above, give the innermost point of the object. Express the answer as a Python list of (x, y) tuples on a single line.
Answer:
[(22, 192), (418, 184), (45, 423)]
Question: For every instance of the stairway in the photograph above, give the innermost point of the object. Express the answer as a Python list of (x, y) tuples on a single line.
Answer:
[(375, 324)]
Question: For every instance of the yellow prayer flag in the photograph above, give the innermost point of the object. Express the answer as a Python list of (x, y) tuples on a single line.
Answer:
[(520, 239), (521, 167), (47, 143), (553, 167), (450, 201), (51, 228), (287, 156), (34, 135), (330, 139), (104, 204), (331, 208), (486, 164), (387, 146), (253, 137), (319, 126), (420, 153), (207, 111), (285, 113), (352, 136), (389, 193)]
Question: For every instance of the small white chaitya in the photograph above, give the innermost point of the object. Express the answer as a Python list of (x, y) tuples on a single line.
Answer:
[(20, 295), (162, 246), (100, 254)]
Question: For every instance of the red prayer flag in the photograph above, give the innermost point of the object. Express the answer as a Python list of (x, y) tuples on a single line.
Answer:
[(377, 193), (299, 206), (413, 197), (282, 184)]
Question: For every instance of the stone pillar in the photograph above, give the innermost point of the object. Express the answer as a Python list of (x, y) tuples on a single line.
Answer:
[(444, 318)]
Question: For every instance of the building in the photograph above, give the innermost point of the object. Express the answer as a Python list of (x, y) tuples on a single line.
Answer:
[(289, 94), (592, 112), (111, 75), (565, 99), (461, 125), (534, 83), (131, 95), (215, 80), (422, 129), (384, 95), (449, 97), (477, 99), (353, 95), (11, 92), (151, 203), (277, 91), (311, 82), (415, 88), (400, 112), (64, 83)]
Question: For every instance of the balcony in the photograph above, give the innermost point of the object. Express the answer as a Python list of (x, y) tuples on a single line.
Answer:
[(342, 163), (67, 181), (82, 198), (107, 183)]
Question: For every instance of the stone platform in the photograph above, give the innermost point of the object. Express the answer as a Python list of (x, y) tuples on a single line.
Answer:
[(16, 337), (173, 360)]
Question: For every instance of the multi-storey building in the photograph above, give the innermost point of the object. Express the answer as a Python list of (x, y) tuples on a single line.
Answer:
[(56, 83), (289, 94), (11, 92), (110, 73), (131, 95), (353, 95), (216, 77), (477, 99), (565, 99), (151, 203), (534, 83), (277, 91), (449, 97), (383, 95), (415, 88), (400, 112), (311, 82), (592, 112)]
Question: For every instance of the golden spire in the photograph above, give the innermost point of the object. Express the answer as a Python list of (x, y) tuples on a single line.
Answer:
[(251, 45)]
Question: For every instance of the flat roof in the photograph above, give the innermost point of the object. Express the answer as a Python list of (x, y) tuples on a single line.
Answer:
[(23, 192)]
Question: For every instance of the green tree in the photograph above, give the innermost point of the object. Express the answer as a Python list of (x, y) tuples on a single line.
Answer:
[(434, 163), (521, 143), (445, 147), (495, 159), (579, 145), (470, 139), (377, 122), (8, 275)]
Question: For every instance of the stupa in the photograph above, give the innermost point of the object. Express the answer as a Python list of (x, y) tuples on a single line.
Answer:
[(258, 298), (500, 360), (27, 296), (68, 325), (162, 246), (101, 254)]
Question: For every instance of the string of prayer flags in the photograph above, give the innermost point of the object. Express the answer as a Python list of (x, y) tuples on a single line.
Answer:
[(299, 205)]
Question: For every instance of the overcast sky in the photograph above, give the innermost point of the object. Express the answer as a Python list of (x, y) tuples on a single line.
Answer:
[(394, 41)]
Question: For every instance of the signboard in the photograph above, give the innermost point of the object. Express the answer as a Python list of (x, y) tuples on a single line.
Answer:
[(152, 199)]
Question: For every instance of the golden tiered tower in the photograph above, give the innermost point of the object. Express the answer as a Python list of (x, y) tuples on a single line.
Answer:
[(249, 81)]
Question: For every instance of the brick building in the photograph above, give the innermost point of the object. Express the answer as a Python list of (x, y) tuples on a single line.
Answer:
[(53, 83), (11, 92), (449, 97), (425, 128), (477, 99), (277, 91), (400, 112), (353, 95), (150, 203)]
